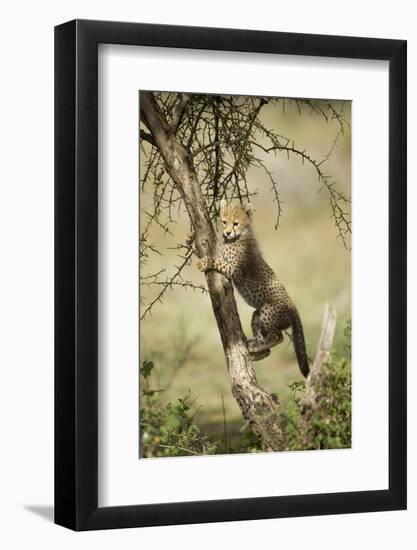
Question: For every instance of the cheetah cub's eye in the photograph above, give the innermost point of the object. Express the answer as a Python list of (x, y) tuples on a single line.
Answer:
[(235, 224), (224, 222)]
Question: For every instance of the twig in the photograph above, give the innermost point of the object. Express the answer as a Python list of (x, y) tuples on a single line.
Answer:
[(226, 445), (175, 447)]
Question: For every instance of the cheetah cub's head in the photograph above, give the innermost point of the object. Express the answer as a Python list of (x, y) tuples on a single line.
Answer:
[(236, 220)]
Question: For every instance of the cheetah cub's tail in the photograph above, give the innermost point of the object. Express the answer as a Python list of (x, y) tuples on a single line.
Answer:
[(299, 345)]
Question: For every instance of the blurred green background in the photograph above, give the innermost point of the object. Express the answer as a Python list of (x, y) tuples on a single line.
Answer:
[(180, 336)]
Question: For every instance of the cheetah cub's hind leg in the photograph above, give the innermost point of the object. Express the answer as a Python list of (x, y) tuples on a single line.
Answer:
[(265, 333), (254, 343)]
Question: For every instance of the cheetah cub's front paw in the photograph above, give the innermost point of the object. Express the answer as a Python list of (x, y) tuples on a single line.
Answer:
[(204, 263)]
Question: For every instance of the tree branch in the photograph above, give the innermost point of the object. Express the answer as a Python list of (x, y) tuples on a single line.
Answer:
[(257, 406), (322, 355), (179, 112), (147, 137)]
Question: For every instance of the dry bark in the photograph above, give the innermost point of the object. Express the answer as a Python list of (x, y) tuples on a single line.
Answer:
[(314, 381), (257, 406)]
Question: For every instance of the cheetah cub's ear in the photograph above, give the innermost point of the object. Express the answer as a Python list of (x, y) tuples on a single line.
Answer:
[(249, 209)]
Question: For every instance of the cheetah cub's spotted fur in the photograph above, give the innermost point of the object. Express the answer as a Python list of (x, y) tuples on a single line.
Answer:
[(241, 261)]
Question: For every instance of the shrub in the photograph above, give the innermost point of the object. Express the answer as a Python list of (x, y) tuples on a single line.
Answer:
[(328, 424), (169, 429)]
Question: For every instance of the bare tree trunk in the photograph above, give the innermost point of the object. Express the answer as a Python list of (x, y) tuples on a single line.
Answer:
[(257, 406), (315, 378)]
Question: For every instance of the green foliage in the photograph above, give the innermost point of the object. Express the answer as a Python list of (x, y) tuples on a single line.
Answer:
[(328, 424), (297, 389), (169, 429), (146, 370), (245, 441)]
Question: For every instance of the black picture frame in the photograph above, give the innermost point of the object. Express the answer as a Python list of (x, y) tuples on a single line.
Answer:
[(76, 272)]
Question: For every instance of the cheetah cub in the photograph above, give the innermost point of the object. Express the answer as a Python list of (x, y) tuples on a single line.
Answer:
[(241, 261)]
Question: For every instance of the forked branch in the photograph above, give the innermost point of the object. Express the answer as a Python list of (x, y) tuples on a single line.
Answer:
[(322, 355)]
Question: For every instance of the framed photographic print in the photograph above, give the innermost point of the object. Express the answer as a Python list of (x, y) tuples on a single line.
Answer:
[(230, 245)]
